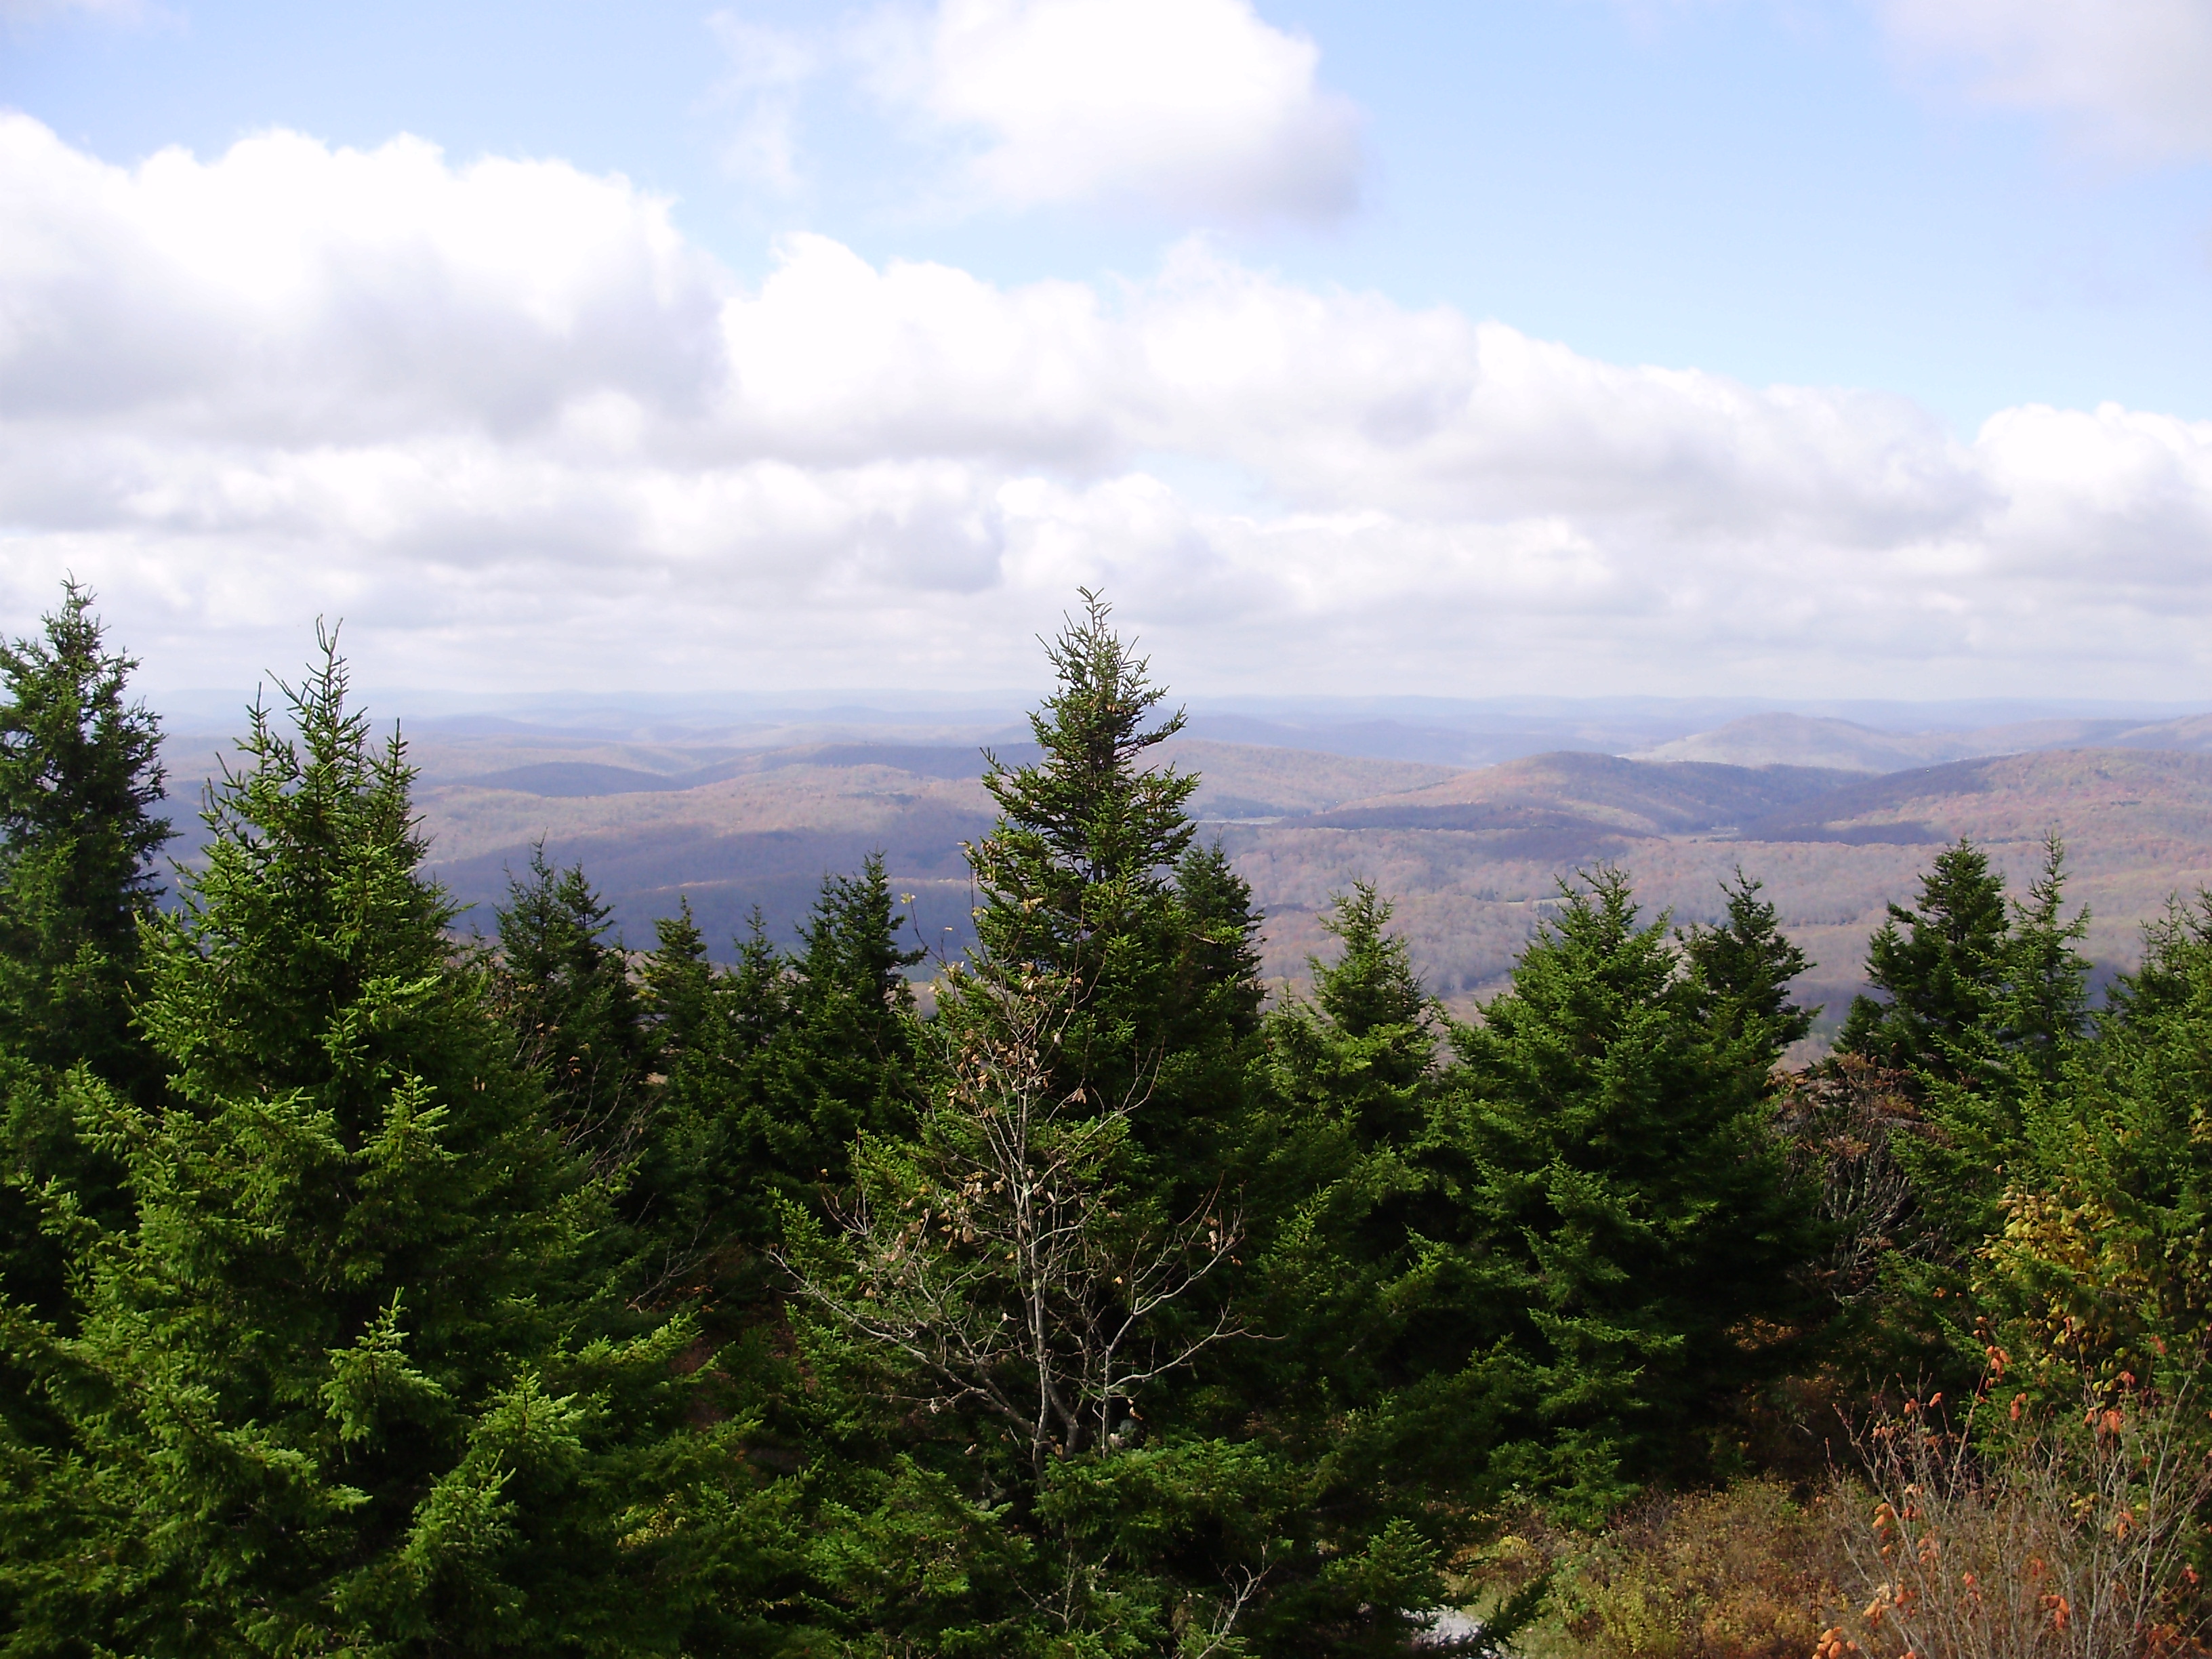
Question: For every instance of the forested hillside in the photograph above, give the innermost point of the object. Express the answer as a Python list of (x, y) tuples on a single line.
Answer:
[(372, 1282), (1470, 858)]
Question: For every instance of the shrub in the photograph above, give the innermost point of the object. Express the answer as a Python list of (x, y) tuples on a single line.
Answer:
[(1744, 1573), (2067, 1538)]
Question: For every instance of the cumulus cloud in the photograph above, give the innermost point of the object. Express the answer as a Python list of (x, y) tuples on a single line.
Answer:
[(1199, 108), (511, 424), (2136, 75)]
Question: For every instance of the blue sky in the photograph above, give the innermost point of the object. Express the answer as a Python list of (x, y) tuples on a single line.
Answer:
[(1833, 348)]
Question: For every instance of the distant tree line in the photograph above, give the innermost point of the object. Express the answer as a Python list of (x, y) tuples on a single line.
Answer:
[(369, 1287)]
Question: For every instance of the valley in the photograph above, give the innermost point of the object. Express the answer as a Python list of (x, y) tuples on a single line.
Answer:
[(1470, 854)]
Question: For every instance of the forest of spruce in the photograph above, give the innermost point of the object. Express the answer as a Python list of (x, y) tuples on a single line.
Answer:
[(379, 1279)]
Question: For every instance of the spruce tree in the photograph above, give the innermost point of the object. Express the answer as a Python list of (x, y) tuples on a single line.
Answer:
[(1221, 988), (769, 1071), (564, 988), (2099, 1261), (80, 779), (847, 1058), (341, 1389), (1361, 1050), (1086, 880), (1629, 1214), (1939, 966), (1065, 1238), (2001, 1103), (1740, 973), (1384, 1383)]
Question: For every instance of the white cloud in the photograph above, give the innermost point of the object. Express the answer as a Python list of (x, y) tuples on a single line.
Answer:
[(506, 421), (1199, 108), (767, 68), (2136, 75)]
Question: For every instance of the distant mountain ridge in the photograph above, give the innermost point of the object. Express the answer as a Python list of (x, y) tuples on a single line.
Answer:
[(1472, 855), (1810, 740), (1631, 797)]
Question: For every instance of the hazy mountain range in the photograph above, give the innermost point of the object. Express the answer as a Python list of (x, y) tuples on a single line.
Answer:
[(1837, 815)]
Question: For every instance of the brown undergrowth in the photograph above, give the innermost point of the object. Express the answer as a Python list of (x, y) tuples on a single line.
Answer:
[(2078, 1536), (1747, 1572), (2075, 1536)]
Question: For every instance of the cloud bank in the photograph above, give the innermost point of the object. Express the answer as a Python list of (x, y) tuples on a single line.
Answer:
[(2135, 75), (506, 421)]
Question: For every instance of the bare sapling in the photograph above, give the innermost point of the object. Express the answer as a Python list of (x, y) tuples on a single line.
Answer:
[(2005, 1538), (1001, 1254)]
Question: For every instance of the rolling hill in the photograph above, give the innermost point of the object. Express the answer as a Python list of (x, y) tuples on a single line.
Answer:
[(1472, 857), (1774, 740)]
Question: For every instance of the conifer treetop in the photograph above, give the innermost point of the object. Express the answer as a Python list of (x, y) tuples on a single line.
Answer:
[(1088, 809)]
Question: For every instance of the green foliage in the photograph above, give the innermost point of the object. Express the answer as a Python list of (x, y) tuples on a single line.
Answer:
[(399, 1296), (340, 1389), (1629, 1218), (1074, 876), (1989, 1013), (566, 992), (79, 777), (1939, 965), (1741, 971), (1384, 1389), (769, 1073), (1363, 1049), (1091, 876), (2102, 1256)]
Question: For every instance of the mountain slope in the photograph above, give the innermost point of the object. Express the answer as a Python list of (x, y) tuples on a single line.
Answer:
[(1619, 796)]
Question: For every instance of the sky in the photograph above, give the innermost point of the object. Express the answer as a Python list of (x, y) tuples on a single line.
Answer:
[(1784, 349)]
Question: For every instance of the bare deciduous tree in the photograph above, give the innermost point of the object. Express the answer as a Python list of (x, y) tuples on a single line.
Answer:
[(1839, 1125), (1002, 1253)]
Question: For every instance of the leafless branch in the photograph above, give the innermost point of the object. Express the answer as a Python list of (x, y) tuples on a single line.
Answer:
[(1000, 1256)]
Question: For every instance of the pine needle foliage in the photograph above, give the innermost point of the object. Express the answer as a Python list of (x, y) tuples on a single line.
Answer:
[(1630, 1212), (80, 782), (340, 1389)]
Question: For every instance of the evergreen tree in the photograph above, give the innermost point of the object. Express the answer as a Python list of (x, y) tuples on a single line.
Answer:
[(1989, 1009), (770, 1072), (1361, 1052), (681, 1215), (1075, 876), (1628, 1212), (1084, 880), (1061, 1244), (564, 988), (80, 778), (1939, 966), (1221, 988), (848, 1057), (1740, 975), (340, 1391), (1384, 1386), (2043, 1005), (2096, 1263)]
